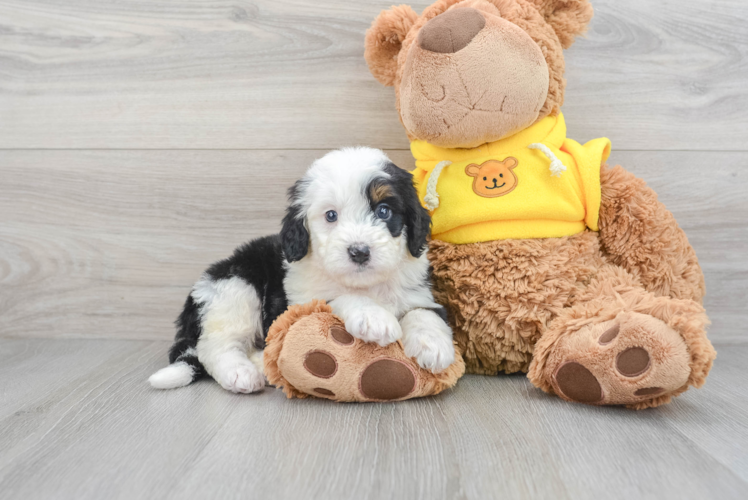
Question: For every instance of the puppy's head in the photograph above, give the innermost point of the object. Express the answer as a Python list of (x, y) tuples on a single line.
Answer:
[(356, 216)]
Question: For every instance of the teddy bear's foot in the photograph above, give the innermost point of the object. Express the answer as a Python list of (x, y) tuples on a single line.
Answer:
[(309, 352), (631, 359), (634, 359)]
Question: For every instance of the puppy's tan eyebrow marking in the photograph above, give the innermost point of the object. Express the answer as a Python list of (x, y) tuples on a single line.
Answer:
[(380, 192)]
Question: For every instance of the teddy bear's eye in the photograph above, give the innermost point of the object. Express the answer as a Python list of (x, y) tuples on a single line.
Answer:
[(501, 175), (485, 178)]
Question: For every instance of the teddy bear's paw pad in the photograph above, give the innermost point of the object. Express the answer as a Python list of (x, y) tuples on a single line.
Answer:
[(324, 392), (341, 335), (609, 335), (387, 380), (633, 362), (578, 383), (320, 364), (649, 391)]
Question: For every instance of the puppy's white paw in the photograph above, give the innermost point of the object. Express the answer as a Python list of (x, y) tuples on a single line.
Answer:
[(428, 339), (430, 355), (239, 375), (373, 324)]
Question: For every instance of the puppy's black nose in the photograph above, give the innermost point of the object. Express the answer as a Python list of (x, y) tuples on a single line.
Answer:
[(359, 253)]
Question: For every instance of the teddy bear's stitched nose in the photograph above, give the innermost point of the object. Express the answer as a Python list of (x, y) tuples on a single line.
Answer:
[(449, 32)]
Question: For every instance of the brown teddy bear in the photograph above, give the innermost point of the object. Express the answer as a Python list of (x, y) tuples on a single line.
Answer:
[(548, 260)]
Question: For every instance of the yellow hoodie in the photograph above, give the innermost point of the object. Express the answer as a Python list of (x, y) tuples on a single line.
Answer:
[(534, 184)]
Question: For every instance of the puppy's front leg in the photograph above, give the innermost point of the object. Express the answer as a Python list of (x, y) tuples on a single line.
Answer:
[(367, 320), (428, 339)]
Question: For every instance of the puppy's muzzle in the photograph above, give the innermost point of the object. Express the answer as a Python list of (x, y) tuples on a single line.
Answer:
[(359, 254)]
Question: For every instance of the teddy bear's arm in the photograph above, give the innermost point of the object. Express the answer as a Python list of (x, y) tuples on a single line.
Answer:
[(639, 234)]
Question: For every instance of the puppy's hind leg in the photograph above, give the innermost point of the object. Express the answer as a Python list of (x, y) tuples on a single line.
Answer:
[(231, 368), (231, 320)]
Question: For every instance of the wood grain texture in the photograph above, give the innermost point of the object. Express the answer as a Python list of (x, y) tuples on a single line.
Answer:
[(288, 74), (106, 244), (90, 427)]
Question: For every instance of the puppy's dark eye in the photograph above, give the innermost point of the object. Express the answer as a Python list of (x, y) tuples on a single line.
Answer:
[(383, 212), (331, 216)]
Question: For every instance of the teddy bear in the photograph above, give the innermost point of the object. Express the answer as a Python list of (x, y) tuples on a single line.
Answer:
[(548, 260)]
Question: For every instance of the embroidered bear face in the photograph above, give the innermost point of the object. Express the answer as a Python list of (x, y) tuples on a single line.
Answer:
[(493, 178)]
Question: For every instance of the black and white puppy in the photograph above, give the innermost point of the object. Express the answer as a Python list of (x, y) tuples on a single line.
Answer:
[(353, 235)]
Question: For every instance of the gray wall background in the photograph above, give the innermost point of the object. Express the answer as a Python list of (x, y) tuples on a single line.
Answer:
[(140, 141)]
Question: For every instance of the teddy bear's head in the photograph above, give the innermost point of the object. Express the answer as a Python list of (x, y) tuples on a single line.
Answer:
[(467, 72)]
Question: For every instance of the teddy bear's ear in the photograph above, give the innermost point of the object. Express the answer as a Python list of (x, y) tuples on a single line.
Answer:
[(384, 40), (568, 18), (472, 170)]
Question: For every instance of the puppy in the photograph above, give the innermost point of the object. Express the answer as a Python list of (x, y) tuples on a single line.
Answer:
[(354, 235)]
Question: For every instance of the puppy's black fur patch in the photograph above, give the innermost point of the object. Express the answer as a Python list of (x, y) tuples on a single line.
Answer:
[(188, 331), (399, 193), (441, 311), (258, 263), (294, 235)]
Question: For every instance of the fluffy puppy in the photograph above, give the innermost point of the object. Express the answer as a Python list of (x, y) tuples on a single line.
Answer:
[(354, 235)]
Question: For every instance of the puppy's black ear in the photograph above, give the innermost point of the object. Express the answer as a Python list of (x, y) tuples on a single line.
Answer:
[(417, 219), (294, 235), (419, 226)]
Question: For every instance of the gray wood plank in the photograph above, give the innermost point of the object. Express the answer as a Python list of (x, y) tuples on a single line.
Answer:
[(107, 243), (285, 74), (98, 431), (661, 75), (720, 435)]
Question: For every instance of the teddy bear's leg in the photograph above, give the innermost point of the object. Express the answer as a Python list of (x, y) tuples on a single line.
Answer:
[(639, 234), (623, 345), (309, 352)]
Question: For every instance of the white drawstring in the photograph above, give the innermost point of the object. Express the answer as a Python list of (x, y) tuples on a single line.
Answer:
[(557, 167), (431, 200)]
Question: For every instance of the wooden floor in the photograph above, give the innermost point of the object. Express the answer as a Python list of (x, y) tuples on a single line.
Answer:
[(140, 141), (79, 421)]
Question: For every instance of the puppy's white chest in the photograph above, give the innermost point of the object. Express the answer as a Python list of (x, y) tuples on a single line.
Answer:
[(304, 283)]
